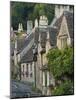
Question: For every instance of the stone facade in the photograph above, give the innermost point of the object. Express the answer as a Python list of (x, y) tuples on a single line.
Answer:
[(63, 36), (27, 72)]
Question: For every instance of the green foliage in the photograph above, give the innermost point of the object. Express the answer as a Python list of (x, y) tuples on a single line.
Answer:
[(60, 64), (21, 12), (36, 89), (66, 88)]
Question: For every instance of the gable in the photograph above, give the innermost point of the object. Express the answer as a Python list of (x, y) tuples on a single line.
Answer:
[(63, 28)]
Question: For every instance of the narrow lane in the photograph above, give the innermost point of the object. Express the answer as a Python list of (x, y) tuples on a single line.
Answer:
[(21, 90)]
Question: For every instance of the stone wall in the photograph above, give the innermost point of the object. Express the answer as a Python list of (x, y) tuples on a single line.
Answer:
[(27, 72)]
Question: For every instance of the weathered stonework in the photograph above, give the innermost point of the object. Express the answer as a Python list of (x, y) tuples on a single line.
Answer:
[(63, 37)]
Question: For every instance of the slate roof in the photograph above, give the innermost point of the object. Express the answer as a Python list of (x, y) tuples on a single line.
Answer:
[(53, 36), (70, 22), (53, 32), (23, 42), (28, 57)]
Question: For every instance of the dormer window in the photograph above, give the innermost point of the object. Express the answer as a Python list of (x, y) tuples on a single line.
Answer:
[(63, 42)]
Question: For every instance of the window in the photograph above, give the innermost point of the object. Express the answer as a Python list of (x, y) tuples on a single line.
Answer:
[(63, 42), (27, 70), (31, 74), (31, 67), (23, 70)]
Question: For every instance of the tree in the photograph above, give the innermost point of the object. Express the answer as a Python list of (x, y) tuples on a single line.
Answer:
[(21, 12), (66, 88), (60, 63)]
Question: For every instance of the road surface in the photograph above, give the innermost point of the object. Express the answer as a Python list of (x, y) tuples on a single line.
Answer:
[(21, 90)]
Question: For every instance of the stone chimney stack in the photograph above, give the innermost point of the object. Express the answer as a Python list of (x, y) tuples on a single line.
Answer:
[(29, 26), (43, 22), (20, 27), (36, 23), (59, 9), (39, 44)]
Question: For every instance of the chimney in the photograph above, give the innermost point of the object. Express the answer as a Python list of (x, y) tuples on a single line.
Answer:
[(59, 9), (43, 22), (36, 23), (29, 26), (39, 44), (48, 46), (20, 27)]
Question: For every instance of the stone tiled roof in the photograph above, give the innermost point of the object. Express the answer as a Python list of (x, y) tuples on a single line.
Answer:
[(53, 36), (23, 42), (53, 32), (69, 18), (57, 24), (28, 57), (70, 22)]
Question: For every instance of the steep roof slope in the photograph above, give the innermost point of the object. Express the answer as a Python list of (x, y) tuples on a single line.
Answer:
[(53, 32)]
